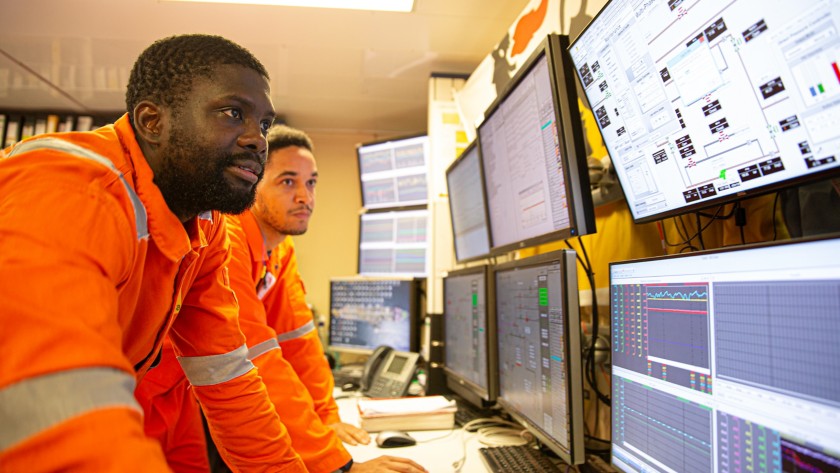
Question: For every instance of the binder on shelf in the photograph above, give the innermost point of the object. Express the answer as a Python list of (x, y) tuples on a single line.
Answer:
[(84, 123), (2, 130), (40, 124), (27, 127), (12, 130), (407, 413), (66, 124), (52, 123)]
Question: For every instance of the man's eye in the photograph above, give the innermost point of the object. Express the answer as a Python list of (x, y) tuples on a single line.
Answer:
[(312, 182), (265, 125), (288, 182), (233, 113)]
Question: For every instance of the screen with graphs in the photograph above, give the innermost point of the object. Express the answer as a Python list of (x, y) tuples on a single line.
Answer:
[(393, 242), (538, 325), (467, 206), (701, 102), (727, 360), (366, 313), (470, 336), (393, 173)]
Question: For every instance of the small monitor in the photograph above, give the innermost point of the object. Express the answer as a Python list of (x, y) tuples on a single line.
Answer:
[(703, 103), (728, 360), (469, 329), (533, 154), (467, 206), (368, 312), (539, 349), (394, 243), (393, 172)]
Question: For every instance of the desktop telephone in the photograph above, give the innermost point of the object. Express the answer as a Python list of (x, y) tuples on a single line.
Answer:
[(388, 373)]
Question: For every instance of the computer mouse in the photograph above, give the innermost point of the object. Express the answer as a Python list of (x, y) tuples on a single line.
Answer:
[(394, 438)]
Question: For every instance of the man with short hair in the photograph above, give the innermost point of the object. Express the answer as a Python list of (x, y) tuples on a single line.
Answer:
[(114, 238), (281, 337)]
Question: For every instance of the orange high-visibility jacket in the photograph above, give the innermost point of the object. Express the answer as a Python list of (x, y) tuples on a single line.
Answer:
[(94, 271), (161, 392)]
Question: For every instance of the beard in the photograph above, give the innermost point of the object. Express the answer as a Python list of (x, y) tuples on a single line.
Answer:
[(192, 179)]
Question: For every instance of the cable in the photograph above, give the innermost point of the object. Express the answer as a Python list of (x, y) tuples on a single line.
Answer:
[(775, 202), (700, 231)]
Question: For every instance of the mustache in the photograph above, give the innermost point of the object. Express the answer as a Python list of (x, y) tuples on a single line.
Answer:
[(308, 208)]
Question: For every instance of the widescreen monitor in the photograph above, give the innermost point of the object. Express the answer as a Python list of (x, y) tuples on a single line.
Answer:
[(702, 103), (538, 325), (394, 243), (728, 360), (469, 330), (467, 206), (533, 154), (393, 173), (367, 312)]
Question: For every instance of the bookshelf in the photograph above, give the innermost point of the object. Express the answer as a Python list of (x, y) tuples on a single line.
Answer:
[(16, 125)]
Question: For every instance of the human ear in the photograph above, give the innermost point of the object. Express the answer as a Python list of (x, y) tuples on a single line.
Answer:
[(149, 122)]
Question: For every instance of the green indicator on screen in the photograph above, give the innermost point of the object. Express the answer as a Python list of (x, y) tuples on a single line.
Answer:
[(543, 291), (475, 300)]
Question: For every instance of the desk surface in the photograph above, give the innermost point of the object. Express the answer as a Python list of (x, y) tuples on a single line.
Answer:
[(436, 450)]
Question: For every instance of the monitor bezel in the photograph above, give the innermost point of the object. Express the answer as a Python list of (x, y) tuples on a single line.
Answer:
[(395, 205), (567, 117), (359, 242), (459, 384), (415, 309), (571, 310), (704, 203), (460, 159)]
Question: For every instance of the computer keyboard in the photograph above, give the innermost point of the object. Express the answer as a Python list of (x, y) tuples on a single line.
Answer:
[(518, 458), (467, 412)]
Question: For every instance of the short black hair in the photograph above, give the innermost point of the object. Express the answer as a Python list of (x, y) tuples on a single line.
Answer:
[(165, 71), (281, 136)]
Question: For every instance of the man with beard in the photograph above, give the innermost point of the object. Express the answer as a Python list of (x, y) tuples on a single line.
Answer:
[(281, 337), (112, 239)]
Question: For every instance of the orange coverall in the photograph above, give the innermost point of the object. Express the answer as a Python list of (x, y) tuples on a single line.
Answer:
[(94, 271), (282, 343)]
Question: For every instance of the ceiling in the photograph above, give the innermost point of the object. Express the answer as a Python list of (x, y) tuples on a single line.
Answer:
[(331, 70)]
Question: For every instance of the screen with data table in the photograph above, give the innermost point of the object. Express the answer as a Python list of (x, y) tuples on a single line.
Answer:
[(468, 206), (368, 312), (394, 243), (393, 172), (470, 361), (538, 325), (533, 155), (727, 360), (704, 102)]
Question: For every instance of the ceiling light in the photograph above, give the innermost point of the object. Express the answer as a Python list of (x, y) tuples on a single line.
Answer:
[(377, 5)]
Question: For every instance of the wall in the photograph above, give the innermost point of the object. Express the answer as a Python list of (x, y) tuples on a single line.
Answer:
[(330, 247)]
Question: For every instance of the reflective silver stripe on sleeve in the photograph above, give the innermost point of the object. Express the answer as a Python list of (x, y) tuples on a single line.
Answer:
[(140, 219), (296, 333), (34, 405), (214, 369), (263, 347)]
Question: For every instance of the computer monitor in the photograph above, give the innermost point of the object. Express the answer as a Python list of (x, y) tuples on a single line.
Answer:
[(534, 160), (469, 330), (393, 172), (728, 360), (394, 243), (538, 325), (368, 312), (703, 103), (467, 206)]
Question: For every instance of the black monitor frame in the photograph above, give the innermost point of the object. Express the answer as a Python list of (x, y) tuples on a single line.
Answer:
[(570, 141), (416, 287), (702, 202), (473, 146), (575, 452), (473, 393), (395, 141)]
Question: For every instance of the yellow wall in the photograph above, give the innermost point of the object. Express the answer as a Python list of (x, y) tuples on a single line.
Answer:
[(330, 247)]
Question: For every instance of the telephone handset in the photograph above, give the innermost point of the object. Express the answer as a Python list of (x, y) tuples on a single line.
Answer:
[(388, 373)]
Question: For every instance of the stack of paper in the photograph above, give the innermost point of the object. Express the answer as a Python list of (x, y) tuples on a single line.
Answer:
[(407, 413)]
